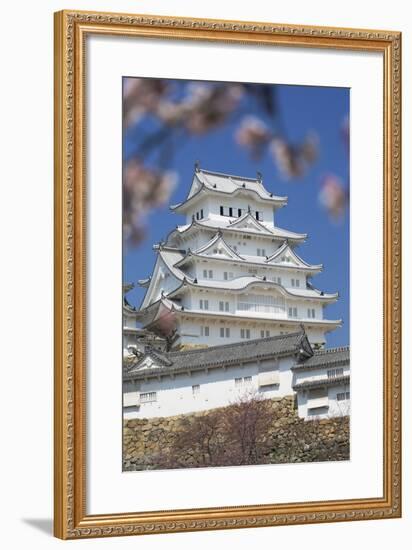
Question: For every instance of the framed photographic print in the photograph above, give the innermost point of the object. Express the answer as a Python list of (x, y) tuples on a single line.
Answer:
[(227, 274)]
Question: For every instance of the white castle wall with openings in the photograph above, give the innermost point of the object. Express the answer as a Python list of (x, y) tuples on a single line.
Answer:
[(230, 309)]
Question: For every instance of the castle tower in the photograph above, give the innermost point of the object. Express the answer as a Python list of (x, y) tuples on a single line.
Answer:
[(230, 274)]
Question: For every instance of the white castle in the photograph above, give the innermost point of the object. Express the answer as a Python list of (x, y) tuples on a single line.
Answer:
[(230, 273), (230, 281)]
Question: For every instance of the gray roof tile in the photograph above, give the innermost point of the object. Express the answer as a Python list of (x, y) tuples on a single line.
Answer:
[(312, 384), (229, 354), (324, 358)]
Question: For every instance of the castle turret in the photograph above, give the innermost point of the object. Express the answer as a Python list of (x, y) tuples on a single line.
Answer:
[(230, 273)]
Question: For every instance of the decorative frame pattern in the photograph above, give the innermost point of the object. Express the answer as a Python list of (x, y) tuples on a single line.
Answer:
[(71, 29)]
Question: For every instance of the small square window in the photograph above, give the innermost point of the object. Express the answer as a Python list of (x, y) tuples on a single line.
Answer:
[(204, 331)]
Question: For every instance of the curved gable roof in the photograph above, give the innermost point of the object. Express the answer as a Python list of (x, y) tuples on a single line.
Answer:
[(226, 184), (286, 251)]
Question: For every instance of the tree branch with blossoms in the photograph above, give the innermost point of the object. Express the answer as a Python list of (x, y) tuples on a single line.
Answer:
[(159, 115)]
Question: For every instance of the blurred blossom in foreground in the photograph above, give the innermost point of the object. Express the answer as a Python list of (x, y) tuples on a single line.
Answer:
[(253, 135), (160, 114), (293, 160), (333, 196), (209, 106), (143, 190), (141, 95)]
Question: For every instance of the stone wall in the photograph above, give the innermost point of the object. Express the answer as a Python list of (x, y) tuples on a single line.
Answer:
[(288, 438)]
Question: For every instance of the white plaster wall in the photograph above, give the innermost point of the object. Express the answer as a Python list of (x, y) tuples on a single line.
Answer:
[(211, 206), (214, 296), (312, 375), (335, 408), (190, 332), (174, 395), (271, 271)]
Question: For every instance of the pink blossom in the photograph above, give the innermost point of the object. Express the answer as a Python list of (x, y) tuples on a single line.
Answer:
[(253, 134), (143, 190), (333, 196)]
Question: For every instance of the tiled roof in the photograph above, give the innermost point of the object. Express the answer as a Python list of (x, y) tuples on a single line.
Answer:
[(325, 357), (229, 354), (225, 225), (313, 384), (217, 182)]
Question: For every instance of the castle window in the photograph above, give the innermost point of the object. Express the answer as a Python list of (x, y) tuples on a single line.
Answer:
[(293, 312), (197, 215), (261, 252), (224, 332), (295, 283), (240, 212), (221, 210), (247, 380), (223, 306), (195, 389), (201, 214), (264, 333), (245, 333), (204, 331), (148, 397), (311, 313), (259, 216), (318, 410), (231, 212), (227, 275), (261, 304), (343, 396), (204, 304), (208, 274)]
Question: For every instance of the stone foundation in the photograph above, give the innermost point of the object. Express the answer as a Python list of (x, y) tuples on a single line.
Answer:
[(288, 438)]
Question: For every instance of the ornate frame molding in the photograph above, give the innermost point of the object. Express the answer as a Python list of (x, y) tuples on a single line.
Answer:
[(71, 29)]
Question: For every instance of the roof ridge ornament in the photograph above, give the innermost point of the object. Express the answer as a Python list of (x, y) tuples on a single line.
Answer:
[(197, 166), (259, 176)]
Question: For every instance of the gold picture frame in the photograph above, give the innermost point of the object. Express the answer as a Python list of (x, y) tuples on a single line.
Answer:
[(71, 520)]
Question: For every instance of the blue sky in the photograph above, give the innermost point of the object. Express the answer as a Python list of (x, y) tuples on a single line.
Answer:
[(303, 108)]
